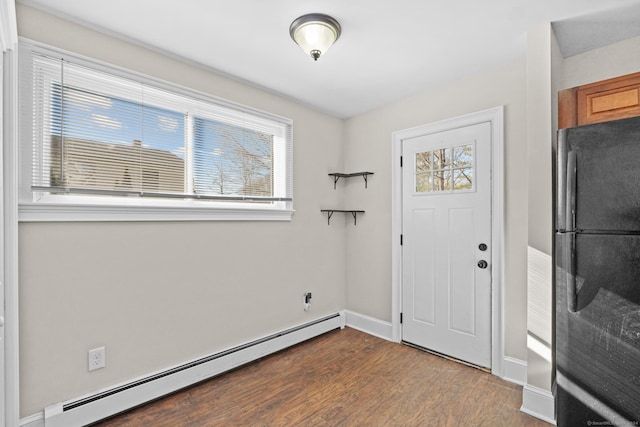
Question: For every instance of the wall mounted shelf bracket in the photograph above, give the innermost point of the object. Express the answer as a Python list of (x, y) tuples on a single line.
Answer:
[(337, 175), (331, 211)]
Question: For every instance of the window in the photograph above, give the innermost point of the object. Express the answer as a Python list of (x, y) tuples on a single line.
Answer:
[(445, 170), (101, 140)]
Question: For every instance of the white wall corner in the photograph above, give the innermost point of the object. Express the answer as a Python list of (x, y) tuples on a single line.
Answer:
[(369, 325), (538, 403), (514, 370)]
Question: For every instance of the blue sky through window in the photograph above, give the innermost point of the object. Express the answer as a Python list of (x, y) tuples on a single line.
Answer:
[(227, 159), (92, 117)]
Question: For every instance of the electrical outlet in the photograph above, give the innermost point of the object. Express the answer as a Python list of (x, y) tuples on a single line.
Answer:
[(306, 300), (97, 358)]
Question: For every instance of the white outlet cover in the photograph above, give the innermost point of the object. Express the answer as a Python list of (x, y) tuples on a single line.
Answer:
[(97, 358)]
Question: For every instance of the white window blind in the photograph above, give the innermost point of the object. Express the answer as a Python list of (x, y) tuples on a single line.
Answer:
[(95, 132)]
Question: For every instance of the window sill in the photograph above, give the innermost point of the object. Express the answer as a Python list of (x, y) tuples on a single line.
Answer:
[(64, 212)]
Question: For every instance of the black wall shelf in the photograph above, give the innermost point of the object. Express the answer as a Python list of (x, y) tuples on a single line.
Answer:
[(331, 211), (337, 175)]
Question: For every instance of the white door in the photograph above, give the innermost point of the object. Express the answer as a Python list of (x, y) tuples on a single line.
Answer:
[(446, 220)]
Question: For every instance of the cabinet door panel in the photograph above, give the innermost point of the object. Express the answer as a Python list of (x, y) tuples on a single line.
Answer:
[(612, 99)]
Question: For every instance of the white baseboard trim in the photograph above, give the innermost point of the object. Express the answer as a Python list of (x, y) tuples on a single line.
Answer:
[(369, 325), (538, 403), (35, 420), (514, 370), (86, 410)]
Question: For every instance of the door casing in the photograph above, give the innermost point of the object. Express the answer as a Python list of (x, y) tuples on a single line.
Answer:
[(9, 181), (495, 116)]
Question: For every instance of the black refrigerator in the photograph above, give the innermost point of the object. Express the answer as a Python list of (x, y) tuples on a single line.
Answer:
[(597, 276)]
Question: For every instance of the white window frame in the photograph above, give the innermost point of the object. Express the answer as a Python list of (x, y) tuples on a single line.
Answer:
[(38, 206)]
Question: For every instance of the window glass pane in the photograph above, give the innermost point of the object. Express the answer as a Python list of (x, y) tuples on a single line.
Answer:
[(95, 117), (162, 151), (463, 179), (113, 144), (442, 158), (442, 181), (232, 160), (423, 182), (463, 156), (424, 161)]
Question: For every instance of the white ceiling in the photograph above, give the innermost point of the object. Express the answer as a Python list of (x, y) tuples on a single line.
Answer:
[(388, 50)]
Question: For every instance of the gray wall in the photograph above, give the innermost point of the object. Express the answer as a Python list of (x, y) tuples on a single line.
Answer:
[(607, 62), (160, 294), (540, 224), (368, 147)]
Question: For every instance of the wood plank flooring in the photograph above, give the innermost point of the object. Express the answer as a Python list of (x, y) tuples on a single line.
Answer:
[(342, 378)]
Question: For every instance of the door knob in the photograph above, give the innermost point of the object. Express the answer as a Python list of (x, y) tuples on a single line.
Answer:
[(482, 264), (482, 246)]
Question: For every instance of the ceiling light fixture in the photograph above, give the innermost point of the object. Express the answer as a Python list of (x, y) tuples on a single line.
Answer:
[(315, 33)]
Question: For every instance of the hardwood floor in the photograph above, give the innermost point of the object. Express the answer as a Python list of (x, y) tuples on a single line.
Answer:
[(343, 378)]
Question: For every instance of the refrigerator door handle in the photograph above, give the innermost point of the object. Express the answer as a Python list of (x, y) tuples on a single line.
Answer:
[(569, 256), (561, 183), (570, 194)]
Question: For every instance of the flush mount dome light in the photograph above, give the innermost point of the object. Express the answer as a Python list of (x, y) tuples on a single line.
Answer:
[(315, 33)]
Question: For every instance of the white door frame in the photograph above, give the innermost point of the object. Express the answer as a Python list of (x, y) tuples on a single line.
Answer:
[(495, 116), (10, 225)]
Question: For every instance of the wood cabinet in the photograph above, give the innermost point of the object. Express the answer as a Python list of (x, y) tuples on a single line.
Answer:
[(611, 99)]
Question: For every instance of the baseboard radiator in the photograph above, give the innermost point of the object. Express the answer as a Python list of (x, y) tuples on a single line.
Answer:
[(89, 409)]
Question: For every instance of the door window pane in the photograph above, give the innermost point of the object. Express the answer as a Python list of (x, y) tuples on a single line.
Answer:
[(445, 170), (463, 179), (424, 162), (442, 180), (424, 182), (463, 156), (442, 158)]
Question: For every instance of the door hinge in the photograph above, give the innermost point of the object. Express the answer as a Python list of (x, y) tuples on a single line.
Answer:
[(401, 240), (400, 161), (401, 318)]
